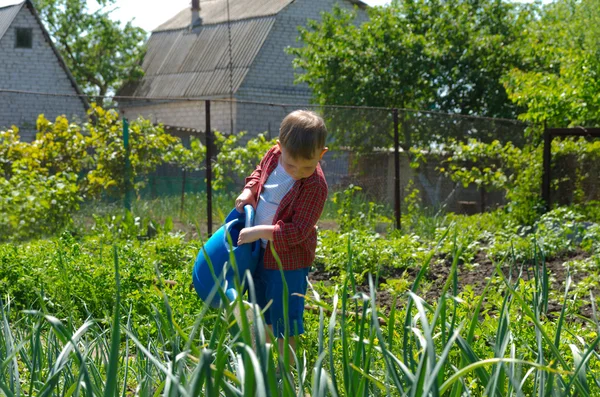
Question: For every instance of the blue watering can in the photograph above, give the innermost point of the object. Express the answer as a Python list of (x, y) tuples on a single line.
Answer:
[(217, 250)]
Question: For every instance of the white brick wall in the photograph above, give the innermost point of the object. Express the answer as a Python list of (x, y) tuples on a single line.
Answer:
[(184, 114), (36, 69)]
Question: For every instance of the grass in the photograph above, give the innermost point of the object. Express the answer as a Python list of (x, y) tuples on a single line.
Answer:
[(193, 213), (444, 348)]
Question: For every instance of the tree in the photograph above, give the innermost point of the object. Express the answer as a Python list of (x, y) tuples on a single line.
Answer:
[(559, 83), (100, 53), (446, 55)]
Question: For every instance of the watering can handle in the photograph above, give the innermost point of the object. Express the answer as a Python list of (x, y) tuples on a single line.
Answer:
[(249, 210)]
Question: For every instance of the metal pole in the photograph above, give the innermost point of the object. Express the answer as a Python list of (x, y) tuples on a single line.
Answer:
[(182, 194), (127, 164), (482, 198), (397, 170), (547, 168), (209, 154)]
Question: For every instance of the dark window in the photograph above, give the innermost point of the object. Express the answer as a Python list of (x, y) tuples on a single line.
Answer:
[(24, 38)]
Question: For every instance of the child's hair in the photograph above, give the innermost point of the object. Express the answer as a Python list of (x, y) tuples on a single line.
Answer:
[(302, 134)]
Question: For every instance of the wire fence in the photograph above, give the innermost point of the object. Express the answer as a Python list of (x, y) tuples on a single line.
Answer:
[(571, 166), (370, 147)]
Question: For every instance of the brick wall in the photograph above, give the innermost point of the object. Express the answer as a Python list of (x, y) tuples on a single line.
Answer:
[(36, 69), (184, 114)]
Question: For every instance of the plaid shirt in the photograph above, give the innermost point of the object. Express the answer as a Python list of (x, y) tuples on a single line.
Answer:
[(295, 233)]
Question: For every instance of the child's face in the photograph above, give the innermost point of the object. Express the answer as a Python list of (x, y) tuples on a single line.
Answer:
[(300, 168)]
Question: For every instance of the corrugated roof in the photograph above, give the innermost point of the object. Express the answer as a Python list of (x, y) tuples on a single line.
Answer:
[(185, 63), (215, 11), (189, 63), (7, 16)]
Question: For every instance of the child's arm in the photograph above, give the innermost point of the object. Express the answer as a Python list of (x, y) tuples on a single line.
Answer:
[(251, 234), (286, 235), (248, 195)]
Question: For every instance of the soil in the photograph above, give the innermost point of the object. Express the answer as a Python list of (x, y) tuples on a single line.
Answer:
[(475, 276)]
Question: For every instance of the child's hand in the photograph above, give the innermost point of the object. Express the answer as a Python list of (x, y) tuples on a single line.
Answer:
[(248, 235), (247, 197)]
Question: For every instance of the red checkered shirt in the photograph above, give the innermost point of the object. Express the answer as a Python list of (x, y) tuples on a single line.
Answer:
[(295, 233)]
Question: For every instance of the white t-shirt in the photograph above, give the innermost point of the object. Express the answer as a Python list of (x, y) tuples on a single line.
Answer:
[(274, 190)]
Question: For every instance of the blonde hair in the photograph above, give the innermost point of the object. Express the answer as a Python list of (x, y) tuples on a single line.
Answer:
[(302, 134)]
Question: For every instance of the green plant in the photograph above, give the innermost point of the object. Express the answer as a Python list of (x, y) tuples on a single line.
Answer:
[(33, 204), (149, 146), (439, 348), (354, 211), (11, 150), (235, 161)]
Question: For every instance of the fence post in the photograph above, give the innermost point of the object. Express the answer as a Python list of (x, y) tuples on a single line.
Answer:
[(182, 193), (397, 209), (209, 154), (127, 164), (547, 168)]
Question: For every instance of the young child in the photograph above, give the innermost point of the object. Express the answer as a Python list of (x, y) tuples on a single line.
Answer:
[(288, 190)]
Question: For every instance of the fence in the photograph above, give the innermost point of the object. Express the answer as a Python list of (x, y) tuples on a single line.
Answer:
[(572, 172), (383, 174), (371, 147)]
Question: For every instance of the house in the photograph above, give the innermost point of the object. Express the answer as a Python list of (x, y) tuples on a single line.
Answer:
[(230, 51), (30, 63)]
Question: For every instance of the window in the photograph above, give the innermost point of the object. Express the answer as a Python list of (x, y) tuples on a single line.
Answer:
[(24, 38)]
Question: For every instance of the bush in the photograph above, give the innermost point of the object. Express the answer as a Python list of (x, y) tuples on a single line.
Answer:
[(43, 182), (149, 146), (235, 161)]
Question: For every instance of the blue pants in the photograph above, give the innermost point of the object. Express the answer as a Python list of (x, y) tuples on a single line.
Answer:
[(269, 288)]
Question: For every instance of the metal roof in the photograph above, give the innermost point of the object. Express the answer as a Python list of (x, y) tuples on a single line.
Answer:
[(181, 62), (195, 63), (215, 11), (7, 15)]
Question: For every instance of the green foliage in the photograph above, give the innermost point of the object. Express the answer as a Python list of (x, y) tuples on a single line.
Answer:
[(192, 159), (149, 146), (58, 147), (499, 343), (447, 56), (354, 213), (34, 204), (235, 160), (489, 166), (559, 81), (43, 182), (38, 184), (11, 150), (100, 52), (74, 277), (518, 172), (493, 166)]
